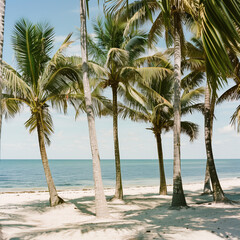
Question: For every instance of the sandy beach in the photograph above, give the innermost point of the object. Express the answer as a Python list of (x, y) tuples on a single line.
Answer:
[(142, 215)]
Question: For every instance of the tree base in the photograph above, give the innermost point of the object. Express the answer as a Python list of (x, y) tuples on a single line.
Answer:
[(115, 199), (118, 195), (224, 200), (162, 191), (56, 201), (178, 200)]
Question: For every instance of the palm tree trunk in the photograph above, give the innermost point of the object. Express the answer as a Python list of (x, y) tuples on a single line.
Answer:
[(119, 188), (54, 198), (178, 199), (207, 181), (163, 185), (100, 200), (218, 195), (2, 16)]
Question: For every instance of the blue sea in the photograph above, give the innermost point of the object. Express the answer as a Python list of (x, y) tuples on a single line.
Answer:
[(77, 174)]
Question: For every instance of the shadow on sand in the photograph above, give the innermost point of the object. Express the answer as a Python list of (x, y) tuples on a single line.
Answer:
[(148, 214)]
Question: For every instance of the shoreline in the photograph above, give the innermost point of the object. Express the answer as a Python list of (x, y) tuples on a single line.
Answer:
[(143, 214), (91, 188)]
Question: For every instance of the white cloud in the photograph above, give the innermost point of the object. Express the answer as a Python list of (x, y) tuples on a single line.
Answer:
[(226, 129)]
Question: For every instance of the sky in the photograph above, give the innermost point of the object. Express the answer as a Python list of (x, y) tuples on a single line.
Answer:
[(70, 139)]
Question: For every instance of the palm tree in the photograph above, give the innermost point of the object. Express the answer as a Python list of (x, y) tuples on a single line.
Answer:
[(2, 16), (214, 26), (158, 111), (218, 194), (116, 56), (100, 200), (197, 60), (37, 81)]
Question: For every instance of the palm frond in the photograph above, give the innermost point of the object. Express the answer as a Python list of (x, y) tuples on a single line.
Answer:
[(59, 76), (136, 45), (189, 98), (10, 107), (158, 59), (193, 107), (130, 94), (193, 80), (133, 114), (32, 46), (113, 6), (45, 119), (13, 81), (232, 93), (218, 27), (235, 119), (63, 46), (118, 57), (98, 70), (95, 52), (189, 128), (149, 73), (156, 30)]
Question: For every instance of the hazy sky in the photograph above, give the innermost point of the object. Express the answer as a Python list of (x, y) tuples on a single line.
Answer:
[(70, 140)]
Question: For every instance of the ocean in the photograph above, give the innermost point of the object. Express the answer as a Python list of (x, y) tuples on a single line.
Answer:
[(77, 174)]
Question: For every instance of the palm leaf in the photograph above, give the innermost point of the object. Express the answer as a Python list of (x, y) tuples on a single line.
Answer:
[(158, 59), (235, 119), (189, 128), (149, 73), (31, 47), (232, 93), (10, 106), (118, 57), (13, 81)]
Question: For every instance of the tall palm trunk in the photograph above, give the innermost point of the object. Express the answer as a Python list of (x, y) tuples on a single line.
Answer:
[(119, 188), (100, 200), (207, 181), (54, 198), (178, 199), (2, 16), (218, 195), (163, 185)]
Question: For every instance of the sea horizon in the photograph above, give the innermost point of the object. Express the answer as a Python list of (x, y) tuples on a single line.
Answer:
[(167, 159), (77, 173)]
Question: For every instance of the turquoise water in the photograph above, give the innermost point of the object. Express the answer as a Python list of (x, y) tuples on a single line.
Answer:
[(28, 174)]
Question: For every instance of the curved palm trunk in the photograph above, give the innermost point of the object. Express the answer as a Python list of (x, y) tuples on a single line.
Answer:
[(218, 195), (100, 200), (178, 199), (2, 16), (119, 188), (163, 185), (54, 198)]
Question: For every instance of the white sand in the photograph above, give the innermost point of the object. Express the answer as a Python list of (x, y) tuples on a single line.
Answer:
[(143, 215)]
